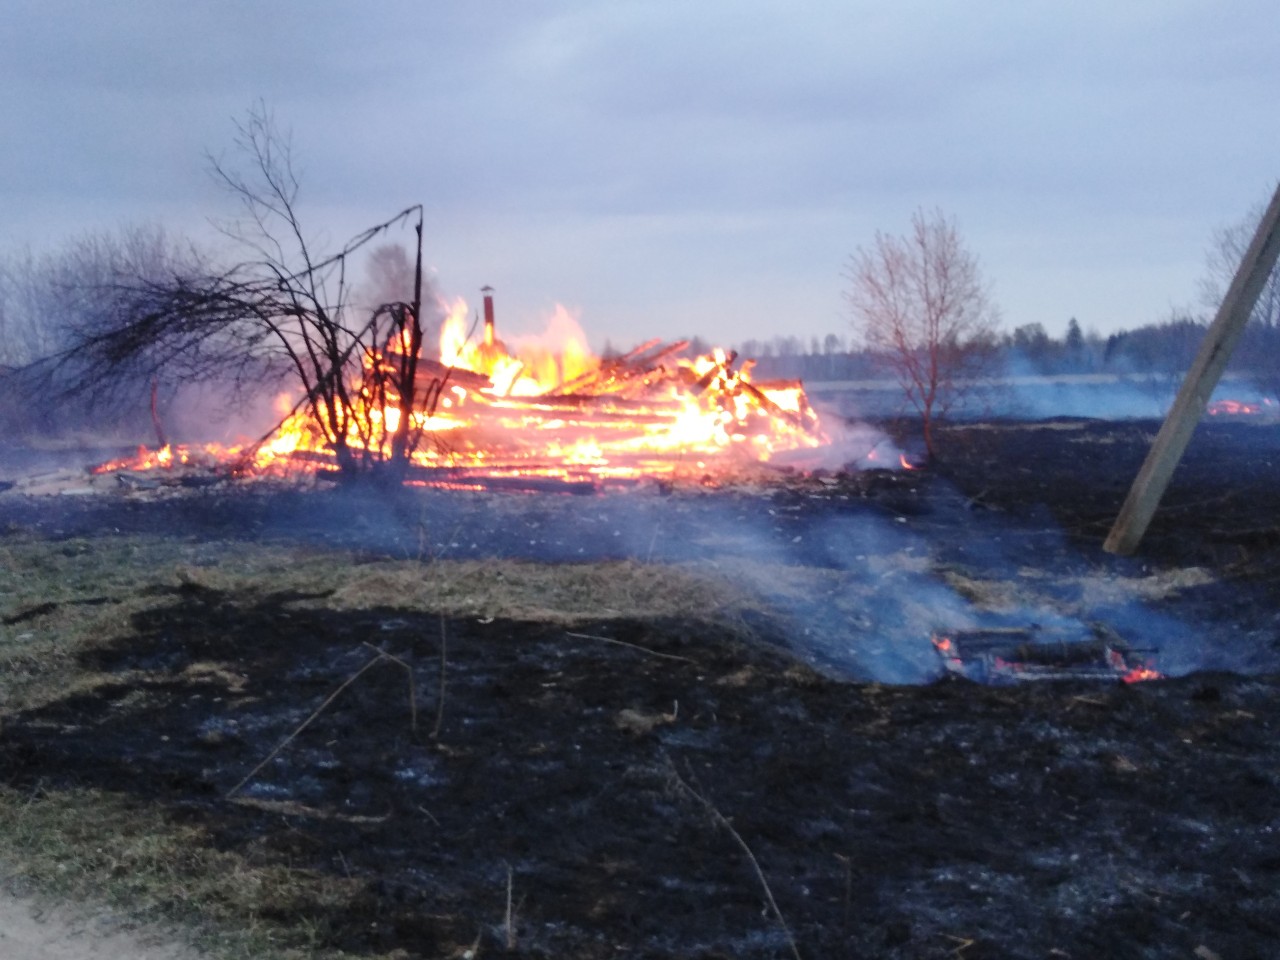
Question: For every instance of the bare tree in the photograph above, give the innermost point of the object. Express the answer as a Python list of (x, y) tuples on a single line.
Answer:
[(1260, 351), (30, 312), (53, 301), (286, 311), (389, 275), (922, 307)]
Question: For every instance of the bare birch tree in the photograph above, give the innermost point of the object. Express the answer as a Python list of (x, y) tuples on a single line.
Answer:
[(922, 307), (285, 310)]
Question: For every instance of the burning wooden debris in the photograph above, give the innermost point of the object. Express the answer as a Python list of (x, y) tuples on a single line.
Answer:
[(1004, 655), (492, 416)]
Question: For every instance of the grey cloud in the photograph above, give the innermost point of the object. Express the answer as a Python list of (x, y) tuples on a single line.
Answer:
[(667, 156)]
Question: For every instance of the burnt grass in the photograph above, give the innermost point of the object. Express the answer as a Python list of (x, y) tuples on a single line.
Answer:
[(579, 777)]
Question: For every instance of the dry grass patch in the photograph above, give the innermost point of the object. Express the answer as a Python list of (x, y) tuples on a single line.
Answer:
[(564, 594), (59, 599), (94, 847), (1161, 585), (984, 593)]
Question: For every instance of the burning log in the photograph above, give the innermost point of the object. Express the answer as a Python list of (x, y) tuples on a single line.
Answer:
[(629, 368), (429, 370), (1020, 654)]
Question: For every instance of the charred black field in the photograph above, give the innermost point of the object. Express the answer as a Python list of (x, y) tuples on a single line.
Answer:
[(659, 722)]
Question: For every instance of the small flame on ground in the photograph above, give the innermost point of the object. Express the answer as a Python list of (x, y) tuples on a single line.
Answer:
[(1139, 674), (1241, 408)]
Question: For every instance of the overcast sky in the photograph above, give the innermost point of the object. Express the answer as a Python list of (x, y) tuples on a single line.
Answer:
[(673, 168)]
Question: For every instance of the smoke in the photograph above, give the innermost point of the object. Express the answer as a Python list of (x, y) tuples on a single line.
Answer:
[(1020, 393), (853, 594), (859, 592), (849, 445), (389, 278), (215, 412)]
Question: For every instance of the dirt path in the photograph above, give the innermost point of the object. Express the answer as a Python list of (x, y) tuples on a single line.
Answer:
[(30, 930)]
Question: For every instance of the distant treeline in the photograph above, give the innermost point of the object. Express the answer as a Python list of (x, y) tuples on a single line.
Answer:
[(1159, 349)]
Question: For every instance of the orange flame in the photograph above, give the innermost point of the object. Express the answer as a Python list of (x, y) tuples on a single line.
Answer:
[(1233, 408), (546, 406), (1139, 674)]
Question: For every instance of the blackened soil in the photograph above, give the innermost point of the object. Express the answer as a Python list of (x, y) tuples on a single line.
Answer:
[(1220, 510), (888, 822), (948, 820), (1051, 483)]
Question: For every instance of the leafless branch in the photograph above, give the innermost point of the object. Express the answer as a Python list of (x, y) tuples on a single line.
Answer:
[(922, 306), (283, 311)]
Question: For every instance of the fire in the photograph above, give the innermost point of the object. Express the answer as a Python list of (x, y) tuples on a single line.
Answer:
[(1139, 674), (538, 406), (538, 365), (1001, 655), (1241, 408), (947, 651), (1130, 673), (1233, 408)]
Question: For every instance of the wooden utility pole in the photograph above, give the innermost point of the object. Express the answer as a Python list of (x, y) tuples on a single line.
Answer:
[(1219, 342)]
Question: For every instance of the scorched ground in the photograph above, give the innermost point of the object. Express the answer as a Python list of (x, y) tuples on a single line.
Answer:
[(542, 805)]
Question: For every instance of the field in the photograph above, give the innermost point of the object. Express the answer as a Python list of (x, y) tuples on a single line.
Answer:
[(662, 722)]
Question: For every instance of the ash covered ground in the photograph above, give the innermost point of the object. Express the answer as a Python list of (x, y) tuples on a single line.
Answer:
[(612, 772)]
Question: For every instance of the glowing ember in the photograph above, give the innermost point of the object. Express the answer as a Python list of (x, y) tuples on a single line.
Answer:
[(1139, 674), (538, 407), (1007, 655), (1240, 408), (946, 649), (1233, 408), (1129, 672)]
